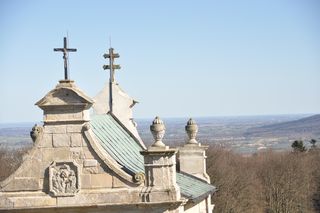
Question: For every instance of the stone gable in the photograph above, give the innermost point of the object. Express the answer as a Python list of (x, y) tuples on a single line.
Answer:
[(66, 161)]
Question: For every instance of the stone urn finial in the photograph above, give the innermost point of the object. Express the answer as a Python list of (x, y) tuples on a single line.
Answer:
[(158, 129), (192, 130)]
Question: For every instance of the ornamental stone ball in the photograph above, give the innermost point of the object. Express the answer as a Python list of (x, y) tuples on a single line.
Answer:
[(157, 129), (192, 130)]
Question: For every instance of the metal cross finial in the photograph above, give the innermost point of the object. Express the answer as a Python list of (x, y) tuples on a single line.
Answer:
[(112, 67), (65, 51)]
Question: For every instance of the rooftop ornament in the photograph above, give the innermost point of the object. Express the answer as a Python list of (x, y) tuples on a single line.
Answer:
[(112, 67), (65, 51), (157, 129), (192, 130)]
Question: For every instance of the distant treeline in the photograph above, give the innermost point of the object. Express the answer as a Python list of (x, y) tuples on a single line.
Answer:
[(271, 182)]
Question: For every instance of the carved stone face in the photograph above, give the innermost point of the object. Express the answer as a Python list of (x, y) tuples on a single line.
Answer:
[(63, 174), (36, 132)]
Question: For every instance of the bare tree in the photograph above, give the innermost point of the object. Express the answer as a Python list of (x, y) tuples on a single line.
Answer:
[(270, 182)]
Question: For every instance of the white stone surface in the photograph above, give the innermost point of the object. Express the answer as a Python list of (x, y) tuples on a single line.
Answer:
[(122, 107), (90, 163), (192, 159)]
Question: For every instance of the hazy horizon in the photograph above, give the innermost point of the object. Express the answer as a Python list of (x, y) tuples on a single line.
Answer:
[(295, 116)]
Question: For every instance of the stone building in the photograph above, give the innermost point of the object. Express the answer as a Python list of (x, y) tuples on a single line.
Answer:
[(96, 162)]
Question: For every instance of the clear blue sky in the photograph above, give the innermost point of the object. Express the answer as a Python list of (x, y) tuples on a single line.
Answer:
[(178, 58)]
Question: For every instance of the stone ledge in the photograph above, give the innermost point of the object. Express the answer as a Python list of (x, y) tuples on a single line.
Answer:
[(86, 198), (25, 202), (27, 184)]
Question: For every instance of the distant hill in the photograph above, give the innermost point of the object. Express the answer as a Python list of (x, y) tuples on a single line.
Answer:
[(308, 127), (15, 135), (15, 131)]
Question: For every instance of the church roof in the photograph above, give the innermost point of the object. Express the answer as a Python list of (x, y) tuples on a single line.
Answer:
[(118, 143), (125, 149)]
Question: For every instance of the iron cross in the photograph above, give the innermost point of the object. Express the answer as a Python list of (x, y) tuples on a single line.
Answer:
[(65, 51), (111, 66)]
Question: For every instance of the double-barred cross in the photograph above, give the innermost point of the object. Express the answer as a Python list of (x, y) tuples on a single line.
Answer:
[(112, 67), (65, 51)]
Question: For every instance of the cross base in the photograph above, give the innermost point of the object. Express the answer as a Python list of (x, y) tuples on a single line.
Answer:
[(66, 81)]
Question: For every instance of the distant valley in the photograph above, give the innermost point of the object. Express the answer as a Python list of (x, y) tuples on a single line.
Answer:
[(244, 134)]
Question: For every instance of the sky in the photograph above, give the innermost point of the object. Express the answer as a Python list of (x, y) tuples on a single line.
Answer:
[(178, 58)]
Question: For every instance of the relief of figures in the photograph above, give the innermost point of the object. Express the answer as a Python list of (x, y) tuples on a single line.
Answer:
[(63, 179)]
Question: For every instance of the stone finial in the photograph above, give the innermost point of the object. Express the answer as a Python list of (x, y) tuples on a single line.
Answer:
[(158, 129), (192, 130)]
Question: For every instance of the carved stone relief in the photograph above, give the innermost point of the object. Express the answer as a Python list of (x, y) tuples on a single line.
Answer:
[(64, 179), (139, 177)]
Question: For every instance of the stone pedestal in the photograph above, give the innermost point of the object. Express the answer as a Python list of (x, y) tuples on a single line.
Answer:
[(192, 156), (160, 171), (160, 168), (192, 160)]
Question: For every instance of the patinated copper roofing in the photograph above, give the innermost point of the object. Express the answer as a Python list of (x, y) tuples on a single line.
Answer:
[(125, 149)]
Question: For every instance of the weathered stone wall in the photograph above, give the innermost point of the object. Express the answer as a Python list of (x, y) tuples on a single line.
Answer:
[(65, 167)]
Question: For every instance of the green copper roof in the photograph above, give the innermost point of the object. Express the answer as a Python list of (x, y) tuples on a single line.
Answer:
[(193, 188), (125, 149), (118, 142)]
